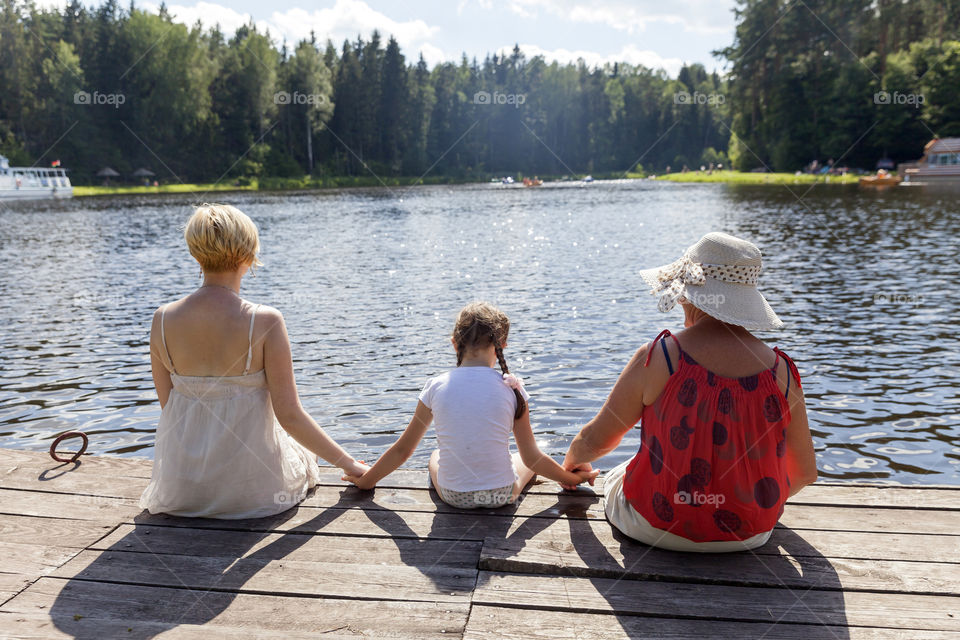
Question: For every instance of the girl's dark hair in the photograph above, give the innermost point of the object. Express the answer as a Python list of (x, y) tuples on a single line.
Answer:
[(480, 324)]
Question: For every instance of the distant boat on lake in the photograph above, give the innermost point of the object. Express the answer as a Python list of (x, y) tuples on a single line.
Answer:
[(32, 182), (883, 178), (940, 163)]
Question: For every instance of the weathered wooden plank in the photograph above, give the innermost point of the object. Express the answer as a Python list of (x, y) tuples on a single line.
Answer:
[(466, 525), (57, 532), (63, 505), (884, 520), (716, 602), (488, 623), (82, 481), (428, 576), (906, 497), (46, 468), (579, 554), (33, 560), (11, 584), (291, 546), (48, 609)]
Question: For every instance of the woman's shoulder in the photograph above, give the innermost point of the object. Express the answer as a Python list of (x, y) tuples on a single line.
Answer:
[(264, 310), (168, 307)]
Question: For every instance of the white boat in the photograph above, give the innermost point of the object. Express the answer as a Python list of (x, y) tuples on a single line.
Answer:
[(32, 182), (940, 163)]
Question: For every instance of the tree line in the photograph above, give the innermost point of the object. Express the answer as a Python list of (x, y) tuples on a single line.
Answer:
[(849, 80), (127, 88)]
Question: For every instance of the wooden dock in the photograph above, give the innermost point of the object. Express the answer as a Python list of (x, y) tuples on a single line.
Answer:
[(80, 559)]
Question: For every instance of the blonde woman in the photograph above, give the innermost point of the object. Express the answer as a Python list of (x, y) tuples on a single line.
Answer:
[(233, 440)]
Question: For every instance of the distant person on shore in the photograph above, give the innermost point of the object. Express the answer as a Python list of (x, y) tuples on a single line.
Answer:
[(475, 409), (224, 375), (724, 435)]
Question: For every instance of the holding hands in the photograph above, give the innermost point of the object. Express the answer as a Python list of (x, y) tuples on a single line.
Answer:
[(361, 478)]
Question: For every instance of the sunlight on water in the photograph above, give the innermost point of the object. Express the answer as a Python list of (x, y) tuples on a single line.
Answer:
[(370, 281)]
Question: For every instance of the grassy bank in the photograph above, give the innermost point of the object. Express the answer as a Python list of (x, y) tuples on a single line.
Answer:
[(337, 182), (314, 182), (164, 188), (736, 177), (271, 184)]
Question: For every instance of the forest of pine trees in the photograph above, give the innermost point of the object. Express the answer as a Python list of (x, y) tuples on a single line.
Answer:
[(196, 104)]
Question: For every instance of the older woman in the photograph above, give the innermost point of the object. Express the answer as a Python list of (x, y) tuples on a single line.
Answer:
[(224, 375), (724, 435)]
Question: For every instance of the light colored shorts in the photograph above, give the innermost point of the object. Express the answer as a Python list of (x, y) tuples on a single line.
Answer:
[(624, 517), (482, 499)]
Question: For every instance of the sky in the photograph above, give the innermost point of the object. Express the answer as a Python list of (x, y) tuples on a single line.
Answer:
[(654, 33)]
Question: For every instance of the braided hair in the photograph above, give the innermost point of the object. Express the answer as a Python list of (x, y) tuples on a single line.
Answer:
[(480, 324)]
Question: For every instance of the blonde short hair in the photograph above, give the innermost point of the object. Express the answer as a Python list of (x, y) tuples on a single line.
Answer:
[(222, 237)]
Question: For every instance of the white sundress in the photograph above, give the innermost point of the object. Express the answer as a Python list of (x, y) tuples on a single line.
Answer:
[(220, 452)]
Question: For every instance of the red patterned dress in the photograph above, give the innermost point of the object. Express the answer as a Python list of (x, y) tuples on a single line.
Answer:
[(711, 463)]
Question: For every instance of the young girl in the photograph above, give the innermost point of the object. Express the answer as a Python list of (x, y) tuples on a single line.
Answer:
[(475, 409)]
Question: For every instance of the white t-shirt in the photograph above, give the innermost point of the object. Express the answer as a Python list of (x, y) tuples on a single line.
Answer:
[(473, 415)]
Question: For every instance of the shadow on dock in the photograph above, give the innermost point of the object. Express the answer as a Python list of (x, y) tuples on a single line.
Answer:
[(798, 585), (201, 571)]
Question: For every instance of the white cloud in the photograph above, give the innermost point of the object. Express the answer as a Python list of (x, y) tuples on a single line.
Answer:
[(345, 20), (696, 16), (210, 14), (629, 54)]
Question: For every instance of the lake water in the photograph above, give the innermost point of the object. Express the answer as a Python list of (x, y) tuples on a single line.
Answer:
[(370, 281)]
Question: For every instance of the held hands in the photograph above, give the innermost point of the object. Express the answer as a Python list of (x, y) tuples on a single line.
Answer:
[(354, 473), (584, 471)]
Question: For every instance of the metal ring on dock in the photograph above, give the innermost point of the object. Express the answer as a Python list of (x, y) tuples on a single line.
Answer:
[(64, 436)]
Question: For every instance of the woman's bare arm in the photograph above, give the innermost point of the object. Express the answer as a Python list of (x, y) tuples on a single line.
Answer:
[(158, 368), (801, 459)]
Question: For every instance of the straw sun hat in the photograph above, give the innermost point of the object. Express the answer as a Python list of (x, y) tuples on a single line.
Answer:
[(717, 275)]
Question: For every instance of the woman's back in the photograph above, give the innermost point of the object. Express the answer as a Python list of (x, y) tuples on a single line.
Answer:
[(211, 333), (711, 466)]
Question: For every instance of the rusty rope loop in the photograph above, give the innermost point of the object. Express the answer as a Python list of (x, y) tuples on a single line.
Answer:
[(63, 436)]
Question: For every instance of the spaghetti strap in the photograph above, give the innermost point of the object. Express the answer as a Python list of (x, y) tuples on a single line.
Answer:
[(792, 371), (163, 338), (253, 316), (661, 338)]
